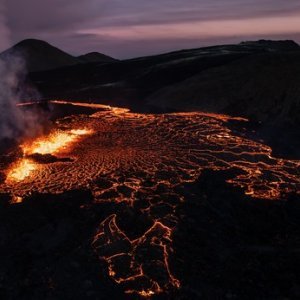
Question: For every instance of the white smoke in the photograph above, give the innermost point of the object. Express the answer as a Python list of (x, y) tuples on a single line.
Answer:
[(10, 125), (14, 122)]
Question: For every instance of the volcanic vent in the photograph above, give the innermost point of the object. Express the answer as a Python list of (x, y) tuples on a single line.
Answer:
[(142, 161)]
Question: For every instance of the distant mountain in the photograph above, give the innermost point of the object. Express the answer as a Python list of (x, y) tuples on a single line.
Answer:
[(40, 56), (95, 57)]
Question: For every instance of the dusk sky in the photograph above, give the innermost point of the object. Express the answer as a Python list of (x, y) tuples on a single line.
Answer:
[(140, 27)]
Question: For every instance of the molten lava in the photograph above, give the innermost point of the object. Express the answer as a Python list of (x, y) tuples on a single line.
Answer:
[(21, 170), (57, 142), (157, 239), (142, 161), (54, 143)]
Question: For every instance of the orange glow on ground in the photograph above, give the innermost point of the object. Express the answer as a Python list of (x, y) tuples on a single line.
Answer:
[(143, 161), (21, 170), (55, 142)]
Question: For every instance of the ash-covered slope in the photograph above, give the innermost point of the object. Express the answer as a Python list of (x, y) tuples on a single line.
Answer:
[(264, 87), (39, 56), (259, 80)]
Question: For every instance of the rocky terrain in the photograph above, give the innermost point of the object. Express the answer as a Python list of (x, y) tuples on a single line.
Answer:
[(113, 204), (171, 200), (233, 249)]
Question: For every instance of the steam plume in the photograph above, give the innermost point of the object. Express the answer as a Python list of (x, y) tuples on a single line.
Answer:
[(14, 122)]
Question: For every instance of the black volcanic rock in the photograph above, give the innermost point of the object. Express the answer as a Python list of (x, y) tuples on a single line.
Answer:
[(95, 57)]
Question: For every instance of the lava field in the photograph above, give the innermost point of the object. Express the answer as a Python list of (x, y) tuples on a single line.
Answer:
[(145, 167)]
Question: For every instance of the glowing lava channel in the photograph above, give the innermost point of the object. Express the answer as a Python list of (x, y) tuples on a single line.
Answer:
[(21, 170), (54, 143)]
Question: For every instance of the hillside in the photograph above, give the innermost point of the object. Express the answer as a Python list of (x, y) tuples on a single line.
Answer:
[(39, 56), (258, 80), (95, 57)]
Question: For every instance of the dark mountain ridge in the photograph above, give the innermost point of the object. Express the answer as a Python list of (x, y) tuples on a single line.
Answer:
[(95, 57), (39, 55)]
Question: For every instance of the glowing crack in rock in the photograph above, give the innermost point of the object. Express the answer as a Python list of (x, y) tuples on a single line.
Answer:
[(140, 160), (156, 239)]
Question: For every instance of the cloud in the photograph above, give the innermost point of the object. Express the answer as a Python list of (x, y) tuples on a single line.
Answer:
[(4, 30), (82, 26), (15, 123), (198, 29)]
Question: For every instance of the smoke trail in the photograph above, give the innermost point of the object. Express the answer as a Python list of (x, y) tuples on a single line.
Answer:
[(10, 119), (14, 123)]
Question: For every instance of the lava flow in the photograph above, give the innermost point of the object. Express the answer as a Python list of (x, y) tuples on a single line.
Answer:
[(141, 160), (57, 142), (21, 170)]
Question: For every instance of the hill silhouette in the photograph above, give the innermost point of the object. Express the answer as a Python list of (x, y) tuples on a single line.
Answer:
[(40, 55)]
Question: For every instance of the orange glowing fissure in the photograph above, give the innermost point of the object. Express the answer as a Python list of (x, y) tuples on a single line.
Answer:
[(56, 142)]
